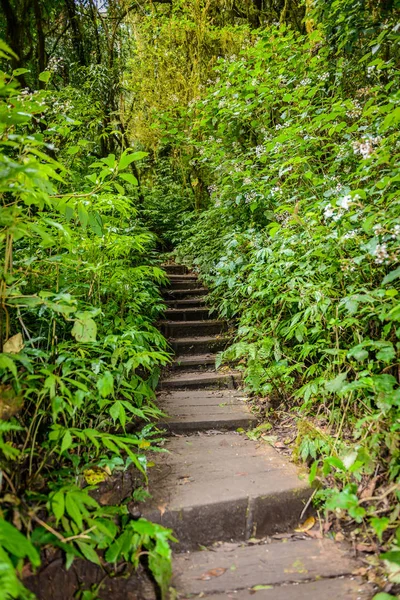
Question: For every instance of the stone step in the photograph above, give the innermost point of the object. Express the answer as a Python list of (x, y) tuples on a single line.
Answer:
[(187, 314), (223, 487), (182, 329), (185, 302), (208, 380), (198, 345), (199, 410), (344, 588), (187, 285), (196, 361), (183, 277), (183, 293), (289, 570), (174, 269)]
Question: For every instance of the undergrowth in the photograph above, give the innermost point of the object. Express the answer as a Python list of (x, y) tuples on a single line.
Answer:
[(80, 356), (298, 143)]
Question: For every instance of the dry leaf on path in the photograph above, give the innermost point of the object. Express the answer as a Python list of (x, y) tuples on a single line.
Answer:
[(366, 547), (369, 489), (217, 572), (162, 508), (279, 445), (315, 535), (306, 526)]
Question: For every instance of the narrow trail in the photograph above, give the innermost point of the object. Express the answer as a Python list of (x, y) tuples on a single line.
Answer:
[(232, 502)]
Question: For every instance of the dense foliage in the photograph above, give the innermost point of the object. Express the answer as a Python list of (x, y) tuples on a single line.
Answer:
[(295, 147), (80, 356), (261, 140)]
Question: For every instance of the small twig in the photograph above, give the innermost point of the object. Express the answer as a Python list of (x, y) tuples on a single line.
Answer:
[(382, 496), (10, 483), (48, 527), (303, 512), (80, 536), (63, 539)]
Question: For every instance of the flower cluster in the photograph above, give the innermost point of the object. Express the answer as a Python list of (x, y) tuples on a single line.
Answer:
[(249, 197), (259, 150), (381, 254), (55, 64), (331, 213), (366, 147)]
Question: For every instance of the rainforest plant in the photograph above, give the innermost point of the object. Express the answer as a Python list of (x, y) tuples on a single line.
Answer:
[(80, 356), (299, 151)]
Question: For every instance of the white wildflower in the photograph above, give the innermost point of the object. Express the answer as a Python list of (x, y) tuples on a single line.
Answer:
[(344, 202), (381, 253), (259, 150)]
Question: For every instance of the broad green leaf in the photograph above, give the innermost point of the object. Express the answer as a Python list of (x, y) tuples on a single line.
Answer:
[(391, 276), (45, 76), (57, 504), (85, 328), (66, 441), (129, 178), (88, 552), (73, 509), (105, 384), (17, 544)]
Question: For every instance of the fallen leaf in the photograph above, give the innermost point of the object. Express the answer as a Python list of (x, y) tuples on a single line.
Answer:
[(339, 537), (14, 344), (217, 572), (308, 524), (256, 588), (106, 497), (183, 480), (316, 535), (326, 526), (369, 488), (162, 508), (366, 547), (94, 476), (279, 445)]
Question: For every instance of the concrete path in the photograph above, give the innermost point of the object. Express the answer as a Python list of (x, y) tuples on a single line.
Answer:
[(232, 502)]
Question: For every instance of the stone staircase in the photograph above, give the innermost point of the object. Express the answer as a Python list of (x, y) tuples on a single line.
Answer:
[(232, 502)]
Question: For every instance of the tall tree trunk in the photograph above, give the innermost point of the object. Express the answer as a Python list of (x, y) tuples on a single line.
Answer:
[(41, 49), (77, 38), (14, 35)]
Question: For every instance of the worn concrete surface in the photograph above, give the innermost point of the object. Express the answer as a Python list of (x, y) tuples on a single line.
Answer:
[(199, 345), (223, 487), (180, 329), (196, 410), (196, 361), (188, 314), (343, 588), (231, 567), (208, 380)]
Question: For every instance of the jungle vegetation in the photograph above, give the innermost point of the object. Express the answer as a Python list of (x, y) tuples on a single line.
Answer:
[(259, 141)]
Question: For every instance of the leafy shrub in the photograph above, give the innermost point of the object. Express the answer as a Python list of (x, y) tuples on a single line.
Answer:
[(80, 356), (299, 148)]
